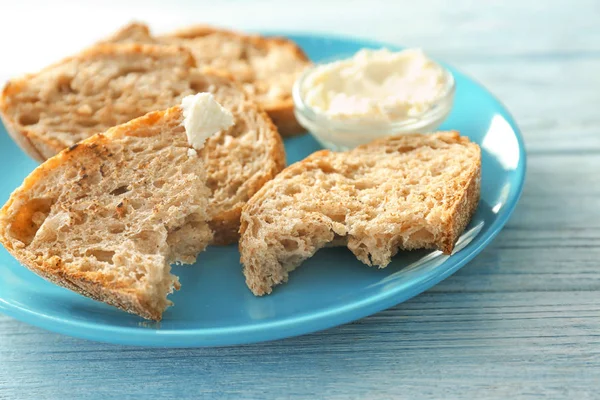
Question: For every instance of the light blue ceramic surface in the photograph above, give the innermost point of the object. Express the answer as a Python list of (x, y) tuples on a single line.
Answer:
[(214, 307)]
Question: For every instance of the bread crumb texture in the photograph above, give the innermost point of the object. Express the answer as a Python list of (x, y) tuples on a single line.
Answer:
[(107, 216), (110, 84), (267, 67), (399, 193)]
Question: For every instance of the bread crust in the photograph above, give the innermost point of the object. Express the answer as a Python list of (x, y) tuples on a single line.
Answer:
[(97, 289), (226, 225), (21, 137), (463, 211), (33, 145)]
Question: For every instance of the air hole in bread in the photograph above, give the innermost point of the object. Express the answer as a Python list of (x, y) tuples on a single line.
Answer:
[(400, 149), (70, 173), (104, 213), (88, 123), (63, 84), (93, 239), (94, 178), (289, 244), (231, 191), (420, 236), (326, 185), (199, 86), (238, 129), (292, 190), (212, 183), (116, 228), (137, 149), (131, 70), (29, 218), (436, 172), (338, 217), (29, 119), (78, 218), (302, 232), (101, 255), (120, 190), (136, 204), (325, 167), (255, 226), (363, 185), (29, 98), (244, 54), (156, 147), (147, 242)]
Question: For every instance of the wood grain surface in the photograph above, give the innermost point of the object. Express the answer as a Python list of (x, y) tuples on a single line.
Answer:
[(522, 320)]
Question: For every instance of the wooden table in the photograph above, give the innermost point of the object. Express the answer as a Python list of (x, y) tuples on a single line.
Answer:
[(522, 320)]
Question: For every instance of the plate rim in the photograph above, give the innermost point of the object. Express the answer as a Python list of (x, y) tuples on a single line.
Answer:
[(291, 326)]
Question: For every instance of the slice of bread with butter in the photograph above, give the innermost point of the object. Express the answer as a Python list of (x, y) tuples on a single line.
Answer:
[(107, 216), (111, 84)]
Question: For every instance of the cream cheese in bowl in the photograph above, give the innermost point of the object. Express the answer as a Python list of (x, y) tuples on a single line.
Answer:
[(372, 94)]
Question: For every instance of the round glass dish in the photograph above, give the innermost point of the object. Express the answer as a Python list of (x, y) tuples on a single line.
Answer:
[(344, 134)]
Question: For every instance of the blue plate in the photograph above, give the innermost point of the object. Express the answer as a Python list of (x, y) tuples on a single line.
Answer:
[(215, 308)]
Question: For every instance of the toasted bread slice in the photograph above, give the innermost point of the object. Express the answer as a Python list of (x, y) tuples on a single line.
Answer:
[(95, 90), (113, 83), (107, 216), (404, 192), (266, 66)]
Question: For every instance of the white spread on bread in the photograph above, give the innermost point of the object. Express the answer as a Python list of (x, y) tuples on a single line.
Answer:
[(203, 117), (378, 85)]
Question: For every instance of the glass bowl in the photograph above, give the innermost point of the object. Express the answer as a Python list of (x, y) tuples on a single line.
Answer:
[(344, 134)]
